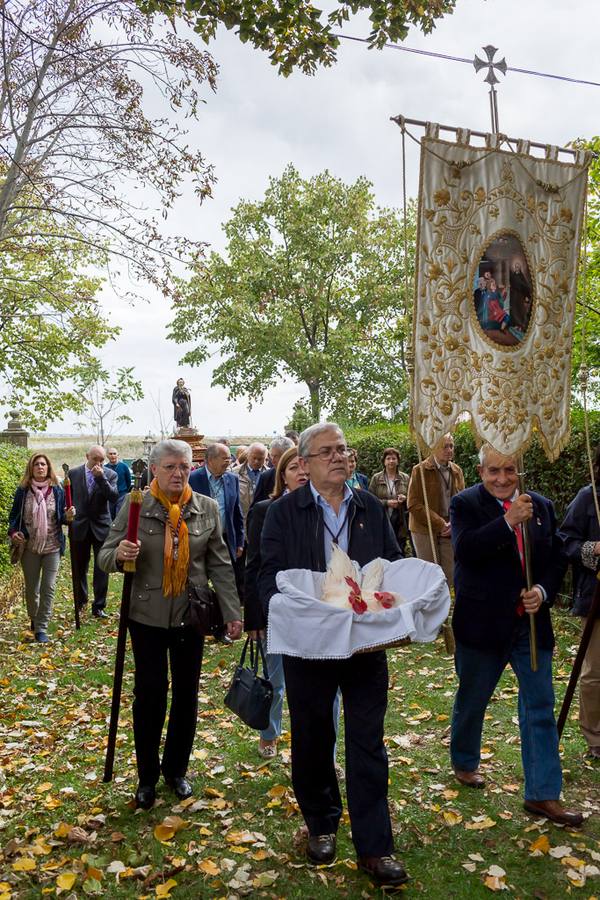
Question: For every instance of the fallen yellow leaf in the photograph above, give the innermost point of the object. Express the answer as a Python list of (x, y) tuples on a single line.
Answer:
[(278, 790), (451, 817), (481, 823), (66, 880), (164, 890), (25, 864), (494, 883), (45, 786), (209, 867), (541, 845), (62, 829)]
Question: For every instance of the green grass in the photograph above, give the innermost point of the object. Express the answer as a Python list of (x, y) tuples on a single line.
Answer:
[(55, 702)]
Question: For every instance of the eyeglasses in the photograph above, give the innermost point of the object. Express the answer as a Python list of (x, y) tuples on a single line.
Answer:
[(185, 469), (327, 453)]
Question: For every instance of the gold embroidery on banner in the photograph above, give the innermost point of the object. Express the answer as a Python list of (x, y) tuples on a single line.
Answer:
[(459, 368)]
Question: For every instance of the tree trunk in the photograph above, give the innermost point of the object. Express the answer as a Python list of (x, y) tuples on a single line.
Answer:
[(315, 400)]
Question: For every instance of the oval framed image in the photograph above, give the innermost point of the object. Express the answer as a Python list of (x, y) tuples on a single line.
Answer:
[(503, 291)]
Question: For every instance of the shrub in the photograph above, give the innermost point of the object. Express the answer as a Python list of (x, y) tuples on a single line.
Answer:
[(12, 465), (559, 481)]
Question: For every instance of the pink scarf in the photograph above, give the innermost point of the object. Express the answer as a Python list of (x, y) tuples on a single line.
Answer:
[(40, 490)]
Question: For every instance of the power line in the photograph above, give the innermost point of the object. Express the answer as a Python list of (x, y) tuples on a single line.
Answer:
[(461, 59)]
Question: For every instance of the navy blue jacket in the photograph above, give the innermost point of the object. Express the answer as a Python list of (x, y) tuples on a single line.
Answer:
[(264, 486), (15, 518), (234, 520), (123, 473), (293, 536), (581, 525), (488, 575)]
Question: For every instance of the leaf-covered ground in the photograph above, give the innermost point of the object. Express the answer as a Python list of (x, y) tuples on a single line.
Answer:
[(64, 832)]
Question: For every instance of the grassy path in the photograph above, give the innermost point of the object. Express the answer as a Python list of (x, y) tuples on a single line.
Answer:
[(63, 832)]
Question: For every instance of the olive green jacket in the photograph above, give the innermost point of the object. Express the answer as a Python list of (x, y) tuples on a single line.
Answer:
[(209, 559)]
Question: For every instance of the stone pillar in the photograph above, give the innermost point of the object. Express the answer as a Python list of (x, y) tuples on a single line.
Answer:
[(14, 433)]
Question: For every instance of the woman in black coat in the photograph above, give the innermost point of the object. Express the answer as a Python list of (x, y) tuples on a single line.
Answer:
[(288, 477), (581, 532)]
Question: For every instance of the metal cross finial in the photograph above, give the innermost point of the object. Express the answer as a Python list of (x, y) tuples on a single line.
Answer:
[(491, 79), (490, 64)]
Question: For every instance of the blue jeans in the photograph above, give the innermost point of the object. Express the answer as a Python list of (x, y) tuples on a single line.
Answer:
[(479, 672), (275, 670)]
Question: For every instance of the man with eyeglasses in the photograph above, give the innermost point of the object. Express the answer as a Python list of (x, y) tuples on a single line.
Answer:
[(299, 533)]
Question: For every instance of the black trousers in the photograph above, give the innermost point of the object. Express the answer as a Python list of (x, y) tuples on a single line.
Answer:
[(81, 552), (311, 686), (154, 649)]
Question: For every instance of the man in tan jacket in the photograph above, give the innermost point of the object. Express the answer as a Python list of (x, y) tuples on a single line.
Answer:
[(443, 479)]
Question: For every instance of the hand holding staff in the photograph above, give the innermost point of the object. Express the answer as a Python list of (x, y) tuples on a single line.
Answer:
[(129, 558)]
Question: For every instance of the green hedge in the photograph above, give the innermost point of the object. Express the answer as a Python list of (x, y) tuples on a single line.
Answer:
[(12, 466), (559, 481)]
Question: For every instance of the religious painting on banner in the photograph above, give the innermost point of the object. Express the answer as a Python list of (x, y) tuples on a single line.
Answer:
[(498, 244)]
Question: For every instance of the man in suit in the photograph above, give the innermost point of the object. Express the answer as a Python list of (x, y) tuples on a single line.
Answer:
[(94, 488), (491, 625), (266, 480), (214, 480), (299, 533), (249, 472)]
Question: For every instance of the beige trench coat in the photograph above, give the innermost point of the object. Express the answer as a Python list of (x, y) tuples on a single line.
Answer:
[(209, 558)]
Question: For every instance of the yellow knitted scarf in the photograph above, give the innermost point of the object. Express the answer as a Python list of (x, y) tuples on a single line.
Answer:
[(176, 556)]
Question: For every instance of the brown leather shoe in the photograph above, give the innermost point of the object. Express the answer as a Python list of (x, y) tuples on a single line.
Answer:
[(555, 811), (472, 779), (384, 870), (321, 849)]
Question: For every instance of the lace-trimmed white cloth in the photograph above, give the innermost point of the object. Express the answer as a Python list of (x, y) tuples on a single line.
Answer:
[(301, 625)]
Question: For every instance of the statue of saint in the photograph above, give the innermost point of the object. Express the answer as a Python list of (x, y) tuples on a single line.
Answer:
[(182, 404)]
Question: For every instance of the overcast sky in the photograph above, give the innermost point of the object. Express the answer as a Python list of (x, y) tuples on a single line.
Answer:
[(258, 122)]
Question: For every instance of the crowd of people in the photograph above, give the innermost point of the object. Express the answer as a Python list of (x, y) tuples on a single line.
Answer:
[(238, 520)]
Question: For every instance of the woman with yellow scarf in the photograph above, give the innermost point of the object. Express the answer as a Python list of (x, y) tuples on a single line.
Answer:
[(180, 542)]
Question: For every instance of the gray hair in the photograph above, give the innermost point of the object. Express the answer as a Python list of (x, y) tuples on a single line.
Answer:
[(487, 448), (281, 443), (256, 445), (312, 432), (170, 447), (212, 450)]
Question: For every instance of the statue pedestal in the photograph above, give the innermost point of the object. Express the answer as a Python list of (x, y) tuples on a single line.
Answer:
[(194, 439), (15, 433)]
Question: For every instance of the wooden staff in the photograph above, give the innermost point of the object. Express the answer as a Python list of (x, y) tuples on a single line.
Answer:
[(135, 505), (74, 574), (583, 645), (528, 576)]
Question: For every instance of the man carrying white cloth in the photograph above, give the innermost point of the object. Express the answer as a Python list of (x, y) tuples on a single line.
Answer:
[(299, 532)]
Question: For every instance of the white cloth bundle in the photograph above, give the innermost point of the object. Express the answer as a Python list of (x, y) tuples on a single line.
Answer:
[(301, 625)]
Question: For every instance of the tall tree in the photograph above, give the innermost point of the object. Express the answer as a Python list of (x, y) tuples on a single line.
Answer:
[(75, 135), (312, 289), (51, 325), (296, 33), (104, 397)]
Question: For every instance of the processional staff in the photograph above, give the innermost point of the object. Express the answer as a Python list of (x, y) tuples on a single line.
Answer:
[(135, 504), (492, 80), (74, 578)]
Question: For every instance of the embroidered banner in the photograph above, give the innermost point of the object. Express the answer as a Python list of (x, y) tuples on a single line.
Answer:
[(497, 255)]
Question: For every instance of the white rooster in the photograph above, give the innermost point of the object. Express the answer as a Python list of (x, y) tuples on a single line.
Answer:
[(343, 586)]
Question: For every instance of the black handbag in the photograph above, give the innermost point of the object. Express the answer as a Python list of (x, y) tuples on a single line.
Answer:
[(204, 612), (250, 695)]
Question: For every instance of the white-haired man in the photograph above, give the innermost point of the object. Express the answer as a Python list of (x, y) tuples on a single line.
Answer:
[(266, 481), (299, 533), (249, 473)]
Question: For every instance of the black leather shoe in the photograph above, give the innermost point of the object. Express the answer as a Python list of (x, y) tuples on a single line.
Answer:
[(321, 848), (180, 787), (99, 614), (383, 870), (145, 796)]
